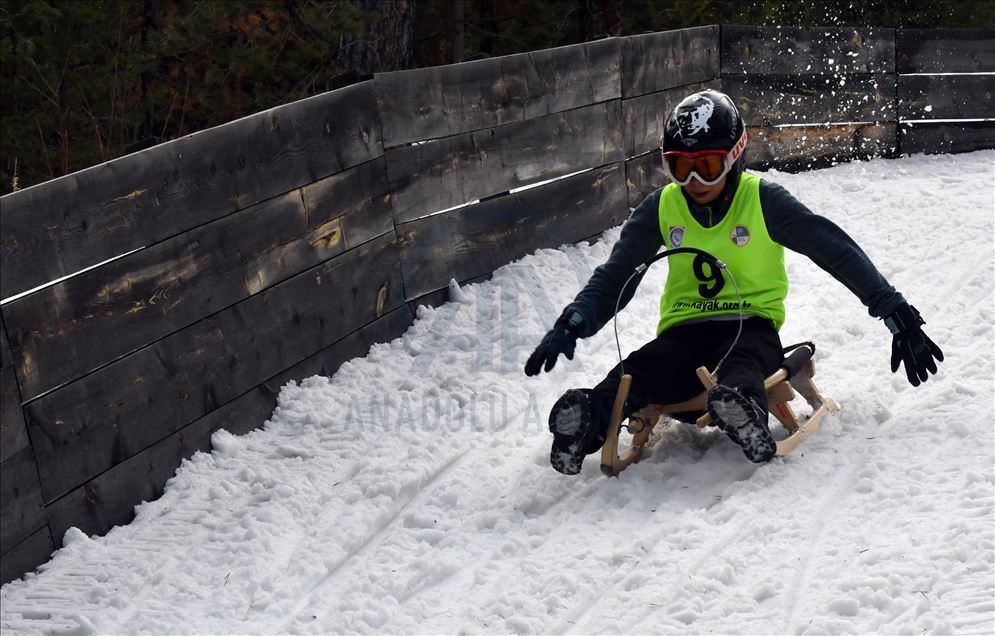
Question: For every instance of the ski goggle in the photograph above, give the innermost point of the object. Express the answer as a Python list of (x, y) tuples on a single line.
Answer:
[(708, 166)]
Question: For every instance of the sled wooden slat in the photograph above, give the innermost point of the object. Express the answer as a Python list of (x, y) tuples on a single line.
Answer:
[(802, 382), (430, 103), (945, 50), (611, 463), (96, 422), (71, 328), (807, 429), (658, 61), (803, 50), (778, 397), (456, 170), (696, 403), (60, 227)]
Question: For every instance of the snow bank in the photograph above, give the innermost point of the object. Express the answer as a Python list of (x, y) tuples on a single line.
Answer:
[(411, 492)]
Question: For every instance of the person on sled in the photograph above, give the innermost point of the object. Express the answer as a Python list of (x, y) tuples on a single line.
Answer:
[(745, 222)]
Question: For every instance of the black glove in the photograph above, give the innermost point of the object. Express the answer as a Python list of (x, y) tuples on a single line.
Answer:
[(561, 339), (910, 345)]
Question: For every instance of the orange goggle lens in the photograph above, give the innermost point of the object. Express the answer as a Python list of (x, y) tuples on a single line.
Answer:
[(709, 167)]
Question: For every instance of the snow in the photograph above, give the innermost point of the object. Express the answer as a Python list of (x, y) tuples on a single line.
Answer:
[(411, 492)]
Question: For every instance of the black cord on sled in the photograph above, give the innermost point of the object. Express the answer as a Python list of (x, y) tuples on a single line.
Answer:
[(664, 254)]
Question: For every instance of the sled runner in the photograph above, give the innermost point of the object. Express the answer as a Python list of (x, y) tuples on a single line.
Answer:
[(795, 374)]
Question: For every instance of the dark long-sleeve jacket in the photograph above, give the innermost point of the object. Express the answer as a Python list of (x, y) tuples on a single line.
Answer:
[(789, 223)]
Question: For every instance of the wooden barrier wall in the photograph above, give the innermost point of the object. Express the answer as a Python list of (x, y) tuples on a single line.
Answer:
[(940, 79), (226, 263), (812, 97)]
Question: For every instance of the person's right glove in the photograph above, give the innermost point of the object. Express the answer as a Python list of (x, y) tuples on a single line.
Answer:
[(562, 338), (910, 345)]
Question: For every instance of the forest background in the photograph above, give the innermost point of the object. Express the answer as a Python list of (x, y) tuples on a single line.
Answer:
[(86, 81)]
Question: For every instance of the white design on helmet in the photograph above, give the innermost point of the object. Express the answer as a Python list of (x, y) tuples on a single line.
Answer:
[(691, 122)]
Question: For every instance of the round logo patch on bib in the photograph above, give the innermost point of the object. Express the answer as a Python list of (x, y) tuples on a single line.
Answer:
[(676, 236), (740, 236)]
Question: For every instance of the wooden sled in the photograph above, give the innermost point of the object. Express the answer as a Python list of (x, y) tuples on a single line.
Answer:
[(795, 374)]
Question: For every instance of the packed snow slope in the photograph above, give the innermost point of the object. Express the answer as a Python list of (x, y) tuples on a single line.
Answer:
[(411, 492)]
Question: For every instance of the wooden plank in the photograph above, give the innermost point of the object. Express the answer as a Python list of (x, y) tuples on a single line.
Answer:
[(645, 117), (6, 358), (62, 226), (946, 96), (456, 170), (429, 103), (22, 511), (946, 137), (13, 433), (945, 50), (812, 99), (657, 61), (477, 239), (798, 148), (356, 345), (643, 176), (67, 330), (359, 197), (763, 50), (440, 296), (85, 427), (26, 555), (109, 499), (432, 299)]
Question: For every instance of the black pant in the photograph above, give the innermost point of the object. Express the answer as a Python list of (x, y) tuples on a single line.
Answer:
[(663, 370)]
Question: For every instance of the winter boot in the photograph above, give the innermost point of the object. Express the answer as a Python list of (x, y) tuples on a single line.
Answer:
[(574, 434), (743, 421)]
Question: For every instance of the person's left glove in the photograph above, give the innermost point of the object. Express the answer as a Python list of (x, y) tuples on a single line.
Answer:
[(562, 339), (910, 345)]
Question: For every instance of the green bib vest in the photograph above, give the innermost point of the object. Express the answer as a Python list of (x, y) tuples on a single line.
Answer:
[(694, 288)]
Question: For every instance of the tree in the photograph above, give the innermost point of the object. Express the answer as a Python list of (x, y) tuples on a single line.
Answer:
[(85, 81), (388, 44)]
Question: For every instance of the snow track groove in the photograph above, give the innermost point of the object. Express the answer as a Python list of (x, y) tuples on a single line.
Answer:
[(386, 526)]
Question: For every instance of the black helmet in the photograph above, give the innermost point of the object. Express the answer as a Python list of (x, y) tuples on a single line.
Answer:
[(703, 121), (707, 120)]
